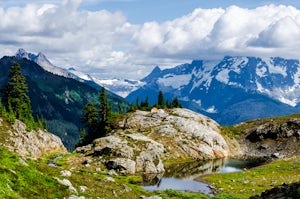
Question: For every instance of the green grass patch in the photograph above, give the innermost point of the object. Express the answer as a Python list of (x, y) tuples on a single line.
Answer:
[(19, 180), (252, 182), (173, 194)]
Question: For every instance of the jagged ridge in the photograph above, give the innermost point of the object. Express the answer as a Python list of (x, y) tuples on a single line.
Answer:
[(230, 90)]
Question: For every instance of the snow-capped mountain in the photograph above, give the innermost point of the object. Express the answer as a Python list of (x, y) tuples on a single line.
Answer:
[(117, 86), (42, 60), (230, 90)]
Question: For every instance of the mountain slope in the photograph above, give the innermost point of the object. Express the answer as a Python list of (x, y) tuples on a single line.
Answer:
[(117, 86), (56, 98), (231, 90)]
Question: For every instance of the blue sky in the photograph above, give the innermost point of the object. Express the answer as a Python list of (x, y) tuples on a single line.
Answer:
[(138, 11), (127, 38)]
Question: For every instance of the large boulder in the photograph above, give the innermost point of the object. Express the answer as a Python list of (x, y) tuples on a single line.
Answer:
[(122, 165), (127, 153), (150, 138), (32, 144), (182, 132)]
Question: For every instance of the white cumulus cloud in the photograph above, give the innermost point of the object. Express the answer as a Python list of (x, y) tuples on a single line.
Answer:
[(107, 44)]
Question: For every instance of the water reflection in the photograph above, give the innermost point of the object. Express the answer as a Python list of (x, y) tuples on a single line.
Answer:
[(181, 176), (190, 170)]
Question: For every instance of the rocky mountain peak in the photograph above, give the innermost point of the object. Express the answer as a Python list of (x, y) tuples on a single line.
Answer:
[(228, 86)]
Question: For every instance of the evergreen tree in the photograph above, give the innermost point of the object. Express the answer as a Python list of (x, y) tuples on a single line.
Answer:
[(105, 113), (16, 99), (175, 103), (137, 105), (160, 100), (145, 105), (131, 108), (90, 121)]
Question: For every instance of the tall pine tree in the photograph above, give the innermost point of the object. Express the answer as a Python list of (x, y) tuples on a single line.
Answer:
[(105, 113), (160, 100), (90, 122), (16, 99)]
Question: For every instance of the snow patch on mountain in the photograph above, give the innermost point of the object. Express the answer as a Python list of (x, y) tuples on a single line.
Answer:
[(204, 77), (287, 95), (297, 77), (238, 63), (120, 87), (275, 69), (261, 71), (175, 81), (223, 76), (79, 74), (211, 109)]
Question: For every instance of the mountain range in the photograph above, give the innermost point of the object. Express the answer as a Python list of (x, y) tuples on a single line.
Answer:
[(118, 86), (231, 90)]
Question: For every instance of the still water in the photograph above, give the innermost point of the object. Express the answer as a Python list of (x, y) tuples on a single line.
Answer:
[(181, 176)]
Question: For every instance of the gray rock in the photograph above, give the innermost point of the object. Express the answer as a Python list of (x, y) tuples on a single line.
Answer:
[(112, 172), (109, 179), (67, 183), (149, 162), (76, 197), (112, 145), (33, 144), (124, 165), (65, 173), (82, 189), (144, 139), (154, 197), (127, 189)]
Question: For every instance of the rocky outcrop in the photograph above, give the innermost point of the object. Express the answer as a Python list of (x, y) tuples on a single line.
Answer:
[(143, 140), (33, 144), (283, 191), (273, 139), (127, 153)]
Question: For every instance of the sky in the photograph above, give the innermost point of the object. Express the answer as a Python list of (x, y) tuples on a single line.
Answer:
[(128, 38)]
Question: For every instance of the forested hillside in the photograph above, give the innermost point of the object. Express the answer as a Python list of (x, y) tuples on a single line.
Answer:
[(58, 99)]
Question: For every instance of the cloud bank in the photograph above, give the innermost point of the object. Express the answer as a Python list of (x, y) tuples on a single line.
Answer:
[(106, 44)]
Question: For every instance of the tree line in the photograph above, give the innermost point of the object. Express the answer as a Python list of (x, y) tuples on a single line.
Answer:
[(161, 103)]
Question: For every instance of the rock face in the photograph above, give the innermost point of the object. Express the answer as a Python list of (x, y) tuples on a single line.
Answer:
[(273, 139), (143, 140), (32, 144), (284, 191)]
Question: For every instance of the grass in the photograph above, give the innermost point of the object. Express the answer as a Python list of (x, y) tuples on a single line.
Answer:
[(35, 179), (173, 194), (96, 181), (254, 182), (19, 180)]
